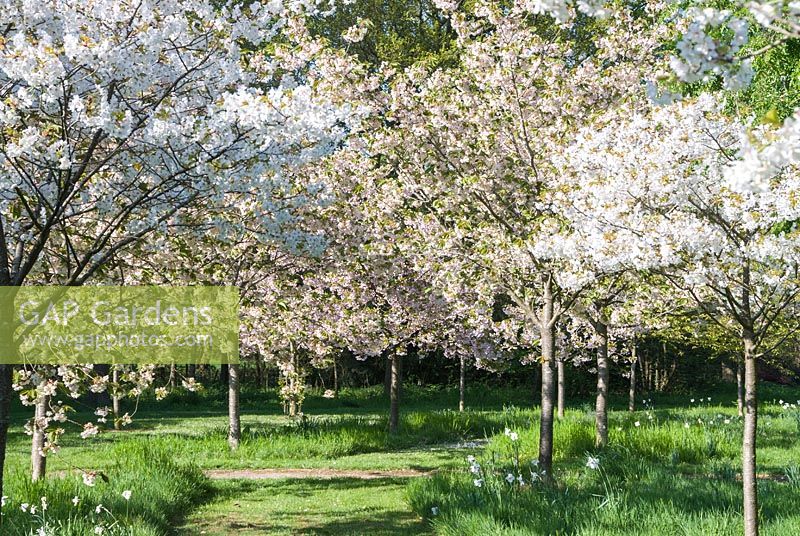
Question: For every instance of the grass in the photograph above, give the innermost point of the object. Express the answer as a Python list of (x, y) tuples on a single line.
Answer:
[(676, 472), (160, 488), (341, 506), (657, 478)]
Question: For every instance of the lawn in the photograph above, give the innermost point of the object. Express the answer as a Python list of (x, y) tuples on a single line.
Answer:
[(675, 472)]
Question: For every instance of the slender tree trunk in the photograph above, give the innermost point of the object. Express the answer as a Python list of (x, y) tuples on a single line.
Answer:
[(335, 379), (38, 460), (749, 484), (656, 380), (6, 373), (632, 388), (394, 395), (234, 421), (191, 370), (293, 395), (173, 376), (561, 388), (115, 400), (740, 388), (548, 339), (601, 404), (462, 382)]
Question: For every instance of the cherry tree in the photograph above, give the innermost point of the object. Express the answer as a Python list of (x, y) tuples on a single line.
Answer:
[(734, 252), (468, 160), (122, 118)]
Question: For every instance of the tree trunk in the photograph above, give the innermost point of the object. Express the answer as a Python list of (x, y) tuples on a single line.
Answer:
[(6, 373), (601, 404), (394, 395), (335, 379), (234, 421), (561, 389), (548, 336), (191, 370), (632, 388), (740, 389), (115, 401), (462, 382), (749, 484), (38, 460), (173, 376)]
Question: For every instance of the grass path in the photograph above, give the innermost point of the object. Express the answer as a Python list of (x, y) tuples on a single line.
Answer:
[(340, 506), (320, 474)]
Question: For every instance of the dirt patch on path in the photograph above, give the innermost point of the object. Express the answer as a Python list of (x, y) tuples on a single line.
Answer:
[(324, 474)]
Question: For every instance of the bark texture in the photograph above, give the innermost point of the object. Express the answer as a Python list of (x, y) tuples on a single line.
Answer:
[(394, 395), (234, 420), (38, 461)]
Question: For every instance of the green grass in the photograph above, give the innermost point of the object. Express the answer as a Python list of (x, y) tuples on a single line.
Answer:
[(160, 490), (659, 478), (278, 507)]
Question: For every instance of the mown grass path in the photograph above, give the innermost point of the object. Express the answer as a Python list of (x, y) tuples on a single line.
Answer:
[(321, 474), (340, 506)]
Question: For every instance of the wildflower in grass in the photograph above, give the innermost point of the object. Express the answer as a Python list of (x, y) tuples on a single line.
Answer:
[(99, 529), (637, 424), (475, 468), (520, 480), (478, 482), (510, 478), (435, 511), (98, 509), (75, 500), (513, 436), (329, 393), (33, 509), (89, 478), (3, 500), (507, 431), (127, 494), (44, 503), (535, 463), (592, 462), (691, 401), (727, 421), (24, 507), (686, 425), (471, 458)]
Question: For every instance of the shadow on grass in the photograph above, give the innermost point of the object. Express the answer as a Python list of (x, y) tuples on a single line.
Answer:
[(341, 506)]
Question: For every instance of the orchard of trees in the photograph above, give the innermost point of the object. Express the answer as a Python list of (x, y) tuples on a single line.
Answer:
[(459, 192)]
